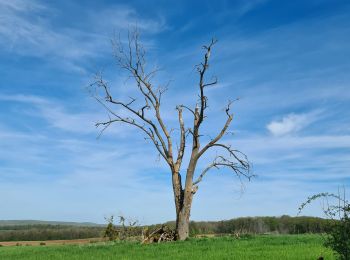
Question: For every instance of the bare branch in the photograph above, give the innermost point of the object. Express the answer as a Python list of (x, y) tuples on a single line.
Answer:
[(189, 109), (222, 132), (132, 121), (239, 167), (182, 138), (133, 60), (108, 98), (214, 82), (202, 68)]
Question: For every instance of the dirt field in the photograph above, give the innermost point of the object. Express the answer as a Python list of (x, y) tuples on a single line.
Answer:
[(52, 242)]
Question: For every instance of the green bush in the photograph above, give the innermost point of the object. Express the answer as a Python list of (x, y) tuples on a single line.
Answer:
[(111, 232), (338, 238)]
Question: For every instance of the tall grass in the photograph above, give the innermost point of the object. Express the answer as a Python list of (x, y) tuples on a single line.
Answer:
[(256, 247)]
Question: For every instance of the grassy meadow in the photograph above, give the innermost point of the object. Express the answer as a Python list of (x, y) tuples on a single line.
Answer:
[(255, 247)]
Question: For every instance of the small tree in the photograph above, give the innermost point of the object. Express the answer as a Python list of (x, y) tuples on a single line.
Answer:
[(148, 119), (127, 228), (338, 238), (110, 232)]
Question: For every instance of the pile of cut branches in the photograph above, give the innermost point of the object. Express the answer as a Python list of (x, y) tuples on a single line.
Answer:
[(162, 234)]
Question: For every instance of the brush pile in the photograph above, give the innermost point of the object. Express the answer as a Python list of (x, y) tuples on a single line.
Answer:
[(162, 234)]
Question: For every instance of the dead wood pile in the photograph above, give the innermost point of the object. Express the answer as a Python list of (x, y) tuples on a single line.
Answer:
[(162, 234)]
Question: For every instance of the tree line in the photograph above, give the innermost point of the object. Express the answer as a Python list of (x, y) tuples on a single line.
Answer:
[(244, 225), (262, 225), (48, 232)]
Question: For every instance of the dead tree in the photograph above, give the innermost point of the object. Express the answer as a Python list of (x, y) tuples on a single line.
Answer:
[(148, 119)]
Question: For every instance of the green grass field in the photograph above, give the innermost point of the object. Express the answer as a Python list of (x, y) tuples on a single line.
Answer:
[(259, 247)]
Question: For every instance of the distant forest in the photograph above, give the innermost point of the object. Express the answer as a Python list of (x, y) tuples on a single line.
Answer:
[(245, 225), (263, 225)]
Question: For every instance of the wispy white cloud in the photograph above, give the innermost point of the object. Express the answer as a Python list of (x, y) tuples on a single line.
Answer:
[(94, 167), (123, 17), (292, 123), (304, 159), (26, 31), (56, 114), (266, 146), (247, 6), (30, 99), (20, 5)]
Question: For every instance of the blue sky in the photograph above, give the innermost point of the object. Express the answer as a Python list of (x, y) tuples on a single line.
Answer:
[(287, 61)]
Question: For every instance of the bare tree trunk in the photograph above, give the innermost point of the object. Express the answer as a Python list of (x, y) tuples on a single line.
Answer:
[(183, 215), (178, 192), (183, 222), (182, 218)]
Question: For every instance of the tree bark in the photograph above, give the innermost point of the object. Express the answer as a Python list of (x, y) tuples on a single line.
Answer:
[(183, 212), (178, 192), (183, 222), (183, 216)]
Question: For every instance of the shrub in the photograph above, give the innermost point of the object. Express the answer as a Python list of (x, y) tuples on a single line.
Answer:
[(338, 238), (124, 231), (111, 232)]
